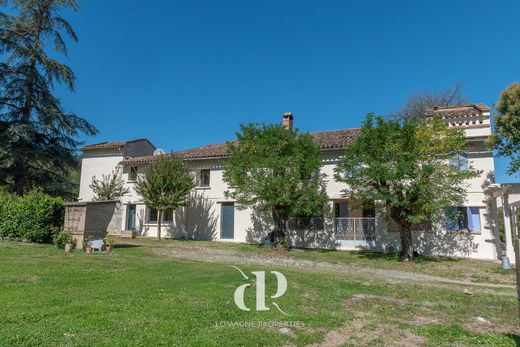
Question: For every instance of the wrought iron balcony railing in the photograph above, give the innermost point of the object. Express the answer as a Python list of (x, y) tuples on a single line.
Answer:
[(355, 229)]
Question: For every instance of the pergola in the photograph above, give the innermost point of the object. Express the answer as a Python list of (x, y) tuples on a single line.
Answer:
[(507, 196), (510, 201)]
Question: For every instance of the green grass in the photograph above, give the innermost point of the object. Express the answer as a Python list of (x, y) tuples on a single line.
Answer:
[(135, 297), (440, 335)]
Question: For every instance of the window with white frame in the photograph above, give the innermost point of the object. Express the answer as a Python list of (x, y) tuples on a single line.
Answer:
[(204, 178), (132, 175), (167, 216), (463, 218)]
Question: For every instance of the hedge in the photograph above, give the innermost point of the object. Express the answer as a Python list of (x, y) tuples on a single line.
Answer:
[(35, 217)]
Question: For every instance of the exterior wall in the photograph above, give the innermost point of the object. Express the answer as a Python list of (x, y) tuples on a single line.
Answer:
[(201, 219), (96, 164), (139, 148)]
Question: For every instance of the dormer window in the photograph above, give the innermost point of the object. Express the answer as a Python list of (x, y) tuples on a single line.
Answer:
[(204, 178), (132, 175)]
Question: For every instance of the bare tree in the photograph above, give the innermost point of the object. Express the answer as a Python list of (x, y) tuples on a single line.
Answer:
[(417, 104)]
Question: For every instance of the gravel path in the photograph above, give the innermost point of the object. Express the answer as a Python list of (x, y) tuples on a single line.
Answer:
[(222, 256)]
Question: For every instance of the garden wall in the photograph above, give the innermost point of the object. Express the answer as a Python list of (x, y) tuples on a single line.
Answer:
[(92, 218)]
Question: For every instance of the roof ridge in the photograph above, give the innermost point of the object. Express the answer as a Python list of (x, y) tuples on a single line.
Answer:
[(329, 131), (480, 106), (112, 144), (327, 140)]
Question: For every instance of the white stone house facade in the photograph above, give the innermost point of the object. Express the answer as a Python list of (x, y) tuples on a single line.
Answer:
[(212, 216)]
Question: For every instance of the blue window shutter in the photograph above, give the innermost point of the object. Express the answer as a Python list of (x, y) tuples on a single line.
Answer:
[(474, 219), (450, 222), (460, 161), (464, 163)]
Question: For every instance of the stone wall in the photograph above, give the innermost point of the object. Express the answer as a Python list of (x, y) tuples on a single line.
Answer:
[(92, 218)]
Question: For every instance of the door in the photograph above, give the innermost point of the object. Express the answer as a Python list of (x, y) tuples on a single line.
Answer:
[(130, 218), (227, 220)]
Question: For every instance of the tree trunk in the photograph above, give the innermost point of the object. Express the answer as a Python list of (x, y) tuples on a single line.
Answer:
[(19, 175), (280, 224), (20, 167), (20, 162), (159, 222), (406, 242), (405, 232)]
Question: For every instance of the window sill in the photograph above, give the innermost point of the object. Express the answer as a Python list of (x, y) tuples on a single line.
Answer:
[(202, 188), (155, 223)]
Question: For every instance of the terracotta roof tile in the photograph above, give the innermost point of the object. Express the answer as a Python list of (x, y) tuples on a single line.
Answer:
[(457, 111), (109, 145), (334, 139)]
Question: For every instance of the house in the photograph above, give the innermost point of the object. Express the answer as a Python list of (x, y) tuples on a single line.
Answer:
[(211, 216)]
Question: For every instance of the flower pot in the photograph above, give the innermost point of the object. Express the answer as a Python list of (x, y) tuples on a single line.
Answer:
[(89, 250), (108, 248), (68, 247)]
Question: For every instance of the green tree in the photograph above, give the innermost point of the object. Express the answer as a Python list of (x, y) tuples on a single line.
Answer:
[(506, 139), (109, 187), (411, 166), (165, 185), (278, 171), (37, 136)]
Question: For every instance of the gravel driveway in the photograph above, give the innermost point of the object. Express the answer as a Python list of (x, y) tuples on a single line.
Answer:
[(227, 256)]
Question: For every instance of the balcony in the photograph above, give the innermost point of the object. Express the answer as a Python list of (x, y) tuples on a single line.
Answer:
[(345, 229), (355, 229)]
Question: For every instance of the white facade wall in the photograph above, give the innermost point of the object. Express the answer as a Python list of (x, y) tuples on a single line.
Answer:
[(100, 162), (201, 220)]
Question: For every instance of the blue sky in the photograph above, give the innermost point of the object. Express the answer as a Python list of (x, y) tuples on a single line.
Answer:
[(186, 73)]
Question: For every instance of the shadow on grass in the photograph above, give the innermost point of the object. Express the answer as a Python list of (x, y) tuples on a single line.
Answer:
[(514, 338), (374, 256), (396, 256), (126, 245)]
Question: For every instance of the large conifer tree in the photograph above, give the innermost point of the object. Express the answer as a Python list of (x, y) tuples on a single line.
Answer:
[(38, 138)]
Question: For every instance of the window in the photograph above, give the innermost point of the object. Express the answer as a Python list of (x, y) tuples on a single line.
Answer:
[(204, 178), (341, 210), (463, 218), (167, 216), (132, 176), (152, 215)]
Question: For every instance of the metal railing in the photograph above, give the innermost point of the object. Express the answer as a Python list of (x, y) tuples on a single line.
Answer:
[(346, 229), (355, 229)]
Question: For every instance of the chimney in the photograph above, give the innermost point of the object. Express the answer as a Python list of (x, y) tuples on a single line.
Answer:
[(288, 120)]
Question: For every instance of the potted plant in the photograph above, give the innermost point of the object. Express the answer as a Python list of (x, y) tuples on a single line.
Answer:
[(63, 239), (69, 244), (109, 244), (88, 246)]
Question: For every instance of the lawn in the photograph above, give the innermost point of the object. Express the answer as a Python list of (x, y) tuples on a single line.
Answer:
[(136, 296)]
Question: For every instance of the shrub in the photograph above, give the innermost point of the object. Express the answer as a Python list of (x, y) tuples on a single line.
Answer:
[(35, 217), (61, 238)]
